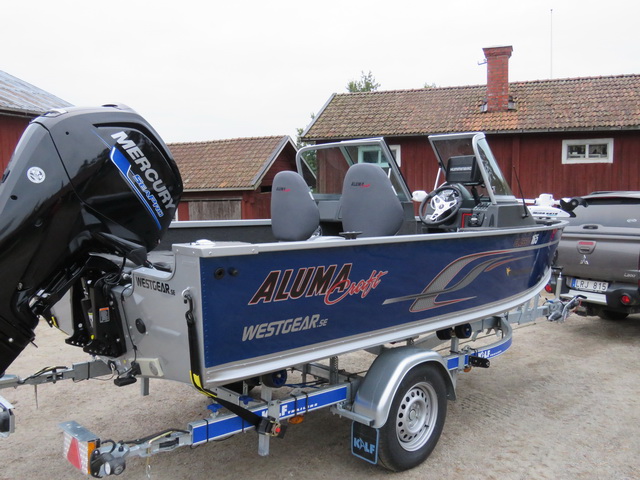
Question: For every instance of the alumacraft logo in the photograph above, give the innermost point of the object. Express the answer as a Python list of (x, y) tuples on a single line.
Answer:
[(147, 174), (330, 282)]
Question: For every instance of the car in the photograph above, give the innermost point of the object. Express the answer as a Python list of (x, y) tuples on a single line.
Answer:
[(599, 254)]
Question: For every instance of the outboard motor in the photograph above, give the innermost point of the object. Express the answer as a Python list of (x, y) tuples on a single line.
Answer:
[(82, 181)]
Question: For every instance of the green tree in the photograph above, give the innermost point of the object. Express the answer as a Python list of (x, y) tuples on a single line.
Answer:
[(367, 83), (299, 142)]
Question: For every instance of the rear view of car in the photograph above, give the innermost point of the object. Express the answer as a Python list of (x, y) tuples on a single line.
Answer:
[(600, 254)]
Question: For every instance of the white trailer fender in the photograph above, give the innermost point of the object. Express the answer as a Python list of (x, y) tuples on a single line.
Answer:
[(375, 393)]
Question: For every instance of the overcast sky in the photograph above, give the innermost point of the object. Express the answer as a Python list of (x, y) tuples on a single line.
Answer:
[(204, 70)]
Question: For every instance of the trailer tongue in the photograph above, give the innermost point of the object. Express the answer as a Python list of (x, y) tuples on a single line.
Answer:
[(353, 269)]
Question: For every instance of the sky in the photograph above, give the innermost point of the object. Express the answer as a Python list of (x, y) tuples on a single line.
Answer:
[(209, 70)]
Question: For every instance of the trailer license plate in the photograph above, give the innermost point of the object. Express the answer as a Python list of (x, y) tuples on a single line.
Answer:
[(589, 285)]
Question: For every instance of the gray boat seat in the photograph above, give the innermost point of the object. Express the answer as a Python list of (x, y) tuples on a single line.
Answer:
[(294, 213), (369, 203)]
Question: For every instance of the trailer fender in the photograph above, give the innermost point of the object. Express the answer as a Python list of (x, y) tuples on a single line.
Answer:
[(375, 394)]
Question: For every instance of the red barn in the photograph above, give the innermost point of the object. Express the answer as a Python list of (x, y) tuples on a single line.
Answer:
[(20, 102), (230, 179), (566, 137)]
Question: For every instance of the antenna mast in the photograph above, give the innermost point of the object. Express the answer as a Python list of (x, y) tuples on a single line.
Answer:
[(551, 45)]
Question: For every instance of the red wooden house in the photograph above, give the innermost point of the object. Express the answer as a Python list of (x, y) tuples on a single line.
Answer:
[(20, 102), (566, 137), (230, 179)]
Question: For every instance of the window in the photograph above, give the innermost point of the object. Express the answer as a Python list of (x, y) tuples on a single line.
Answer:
[(374, 155), (598, 150), (371, 155), (395, 149)]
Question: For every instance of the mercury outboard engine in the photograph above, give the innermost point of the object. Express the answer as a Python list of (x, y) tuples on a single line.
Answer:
[(81, 182)]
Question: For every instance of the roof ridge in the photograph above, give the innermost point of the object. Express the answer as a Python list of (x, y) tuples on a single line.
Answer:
[(578, 79), (418, 90), (228, 140), (470, 87)]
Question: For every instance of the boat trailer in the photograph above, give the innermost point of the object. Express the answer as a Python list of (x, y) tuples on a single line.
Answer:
[(345, 266), (355, 396)]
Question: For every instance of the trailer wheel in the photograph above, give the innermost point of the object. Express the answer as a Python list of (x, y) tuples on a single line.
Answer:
[(415, 420)]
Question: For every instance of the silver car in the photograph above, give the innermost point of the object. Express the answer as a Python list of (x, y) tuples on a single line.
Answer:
[(599, 254)]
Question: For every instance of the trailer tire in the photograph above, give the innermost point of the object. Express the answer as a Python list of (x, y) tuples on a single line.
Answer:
[(415, 421)]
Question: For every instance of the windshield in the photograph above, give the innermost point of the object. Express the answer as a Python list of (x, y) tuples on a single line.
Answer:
[(324, 166), (608, 212), (451, 146), (498, 183)]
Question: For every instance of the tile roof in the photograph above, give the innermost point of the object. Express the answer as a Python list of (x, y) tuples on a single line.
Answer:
[(21, 97), (235, 164), (588, 103)]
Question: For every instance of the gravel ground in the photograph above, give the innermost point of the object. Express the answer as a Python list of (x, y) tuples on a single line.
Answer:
[(562, 403)]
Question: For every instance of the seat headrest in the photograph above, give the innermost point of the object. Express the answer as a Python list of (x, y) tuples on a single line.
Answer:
[(369, 203), (294, 213)]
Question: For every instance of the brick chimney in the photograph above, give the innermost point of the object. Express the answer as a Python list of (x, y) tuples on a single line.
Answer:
[(498, 78)]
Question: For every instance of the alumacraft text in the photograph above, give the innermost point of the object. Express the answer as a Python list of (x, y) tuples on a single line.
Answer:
[(327, 281)]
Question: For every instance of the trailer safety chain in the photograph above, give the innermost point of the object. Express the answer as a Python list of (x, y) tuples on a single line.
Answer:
[(263, 425)]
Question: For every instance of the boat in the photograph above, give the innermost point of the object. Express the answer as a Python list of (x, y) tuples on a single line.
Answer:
[(354, 266), (358, 260)]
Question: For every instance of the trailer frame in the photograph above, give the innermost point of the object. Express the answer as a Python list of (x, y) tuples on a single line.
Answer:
[(363, 399)]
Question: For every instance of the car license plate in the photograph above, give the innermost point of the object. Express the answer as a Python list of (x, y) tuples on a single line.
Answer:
[(589, 285)]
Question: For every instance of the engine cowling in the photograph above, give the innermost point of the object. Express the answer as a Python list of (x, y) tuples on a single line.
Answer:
[(81, 181)]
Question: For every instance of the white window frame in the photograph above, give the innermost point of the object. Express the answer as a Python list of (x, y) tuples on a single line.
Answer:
[(362, 150), (395, 149), (586, 159)]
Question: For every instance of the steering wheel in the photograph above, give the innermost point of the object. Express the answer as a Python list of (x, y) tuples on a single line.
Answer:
[(441, 205)]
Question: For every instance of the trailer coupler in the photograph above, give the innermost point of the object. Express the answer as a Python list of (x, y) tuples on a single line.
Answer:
[(101, 458), (559, 310)]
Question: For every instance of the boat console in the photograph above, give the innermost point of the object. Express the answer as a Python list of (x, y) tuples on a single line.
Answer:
[(474, 195)]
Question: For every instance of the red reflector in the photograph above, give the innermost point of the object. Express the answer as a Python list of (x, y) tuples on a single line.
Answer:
[(625, 299), (73, 454), (548, 288)]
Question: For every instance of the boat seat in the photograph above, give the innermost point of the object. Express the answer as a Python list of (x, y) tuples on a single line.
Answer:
[(369, 203), (294, 213)]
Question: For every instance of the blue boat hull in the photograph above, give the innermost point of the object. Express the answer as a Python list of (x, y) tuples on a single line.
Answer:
[(280, 307)]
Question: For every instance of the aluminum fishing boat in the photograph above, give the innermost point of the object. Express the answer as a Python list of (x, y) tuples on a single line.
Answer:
[(357, 261), (353, 266)]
